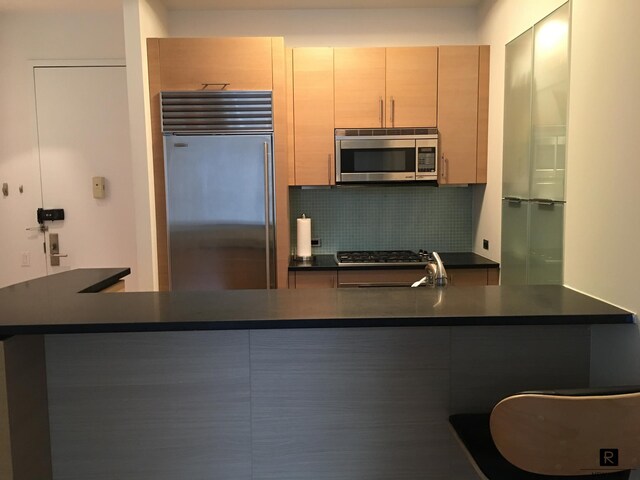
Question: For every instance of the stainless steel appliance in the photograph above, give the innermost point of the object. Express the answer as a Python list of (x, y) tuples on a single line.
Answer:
[(219, 185), (386, 155), (381, 257)]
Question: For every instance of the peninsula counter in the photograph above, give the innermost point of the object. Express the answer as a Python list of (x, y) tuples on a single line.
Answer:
[(259, 385)]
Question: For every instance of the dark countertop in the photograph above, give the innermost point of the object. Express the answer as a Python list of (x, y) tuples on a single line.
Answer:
[(55, 304), (451, 260)]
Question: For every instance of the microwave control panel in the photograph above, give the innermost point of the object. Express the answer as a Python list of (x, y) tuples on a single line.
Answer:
[(426, 159)]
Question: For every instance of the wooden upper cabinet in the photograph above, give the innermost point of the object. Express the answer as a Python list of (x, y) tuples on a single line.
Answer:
[(359, 80), (462, 113), (386, 87), (313, 116), (243, 63), (411, 86)]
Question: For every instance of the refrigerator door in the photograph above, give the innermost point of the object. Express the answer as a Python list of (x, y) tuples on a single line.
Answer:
[(220, 212)]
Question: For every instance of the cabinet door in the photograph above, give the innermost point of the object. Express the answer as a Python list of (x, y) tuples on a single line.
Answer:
[(359, 80), (458, 113), (466, 277), (313, 116), (516, 148), (242, 63), (411, 86), (316, 279), (546, 240), (515, 243)]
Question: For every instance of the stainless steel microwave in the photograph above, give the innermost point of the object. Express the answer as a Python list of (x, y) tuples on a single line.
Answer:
[(386, 155)]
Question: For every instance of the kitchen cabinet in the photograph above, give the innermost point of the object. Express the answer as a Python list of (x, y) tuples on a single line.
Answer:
[(240, 63), (411, 86), (359, 87), (466, 277), (385, 87), (313, 116), (463, 98), (533, 171), (313, 279)]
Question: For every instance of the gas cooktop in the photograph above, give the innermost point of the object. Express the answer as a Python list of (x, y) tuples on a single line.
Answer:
[(379, 257)]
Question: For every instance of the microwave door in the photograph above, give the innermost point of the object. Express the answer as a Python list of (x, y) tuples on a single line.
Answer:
[(372, 160)]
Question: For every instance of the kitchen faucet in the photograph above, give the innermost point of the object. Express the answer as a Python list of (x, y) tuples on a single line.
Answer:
[(436, 273)]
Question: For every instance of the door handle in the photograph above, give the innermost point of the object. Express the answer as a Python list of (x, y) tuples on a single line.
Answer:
[(54, 250), (39, 228)]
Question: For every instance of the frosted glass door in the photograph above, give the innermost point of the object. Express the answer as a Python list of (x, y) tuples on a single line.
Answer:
[(545, 243), (517, 116), (515, 243), (549, 105)]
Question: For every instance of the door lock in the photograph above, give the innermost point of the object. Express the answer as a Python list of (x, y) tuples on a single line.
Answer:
[(54, 250)]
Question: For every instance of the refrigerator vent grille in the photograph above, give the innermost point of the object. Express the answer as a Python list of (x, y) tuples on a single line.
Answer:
[(216, 111)]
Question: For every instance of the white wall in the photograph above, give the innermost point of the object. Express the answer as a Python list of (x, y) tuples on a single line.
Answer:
[(142, 19), (25, 37), (500, 21), (603, 199), (602, 225), (386, 27)]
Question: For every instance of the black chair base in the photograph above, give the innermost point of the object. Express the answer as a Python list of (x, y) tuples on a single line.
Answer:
[(474, 435)]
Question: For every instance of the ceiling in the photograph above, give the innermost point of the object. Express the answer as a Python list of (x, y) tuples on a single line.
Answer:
[(79, 5)]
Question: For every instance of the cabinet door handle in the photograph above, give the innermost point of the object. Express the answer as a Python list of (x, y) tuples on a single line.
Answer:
[(329, 168), (381, 116), (444, 168), (393, 112), (222, 85)]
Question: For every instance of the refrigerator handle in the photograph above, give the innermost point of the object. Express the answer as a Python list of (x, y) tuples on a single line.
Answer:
[(266, 212)]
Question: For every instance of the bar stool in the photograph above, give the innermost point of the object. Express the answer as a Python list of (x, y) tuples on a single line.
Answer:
[(559, 434)]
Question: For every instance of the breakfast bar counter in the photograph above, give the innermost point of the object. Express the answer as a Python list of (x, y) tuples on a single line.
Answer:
[(340, 383), (64, 303)]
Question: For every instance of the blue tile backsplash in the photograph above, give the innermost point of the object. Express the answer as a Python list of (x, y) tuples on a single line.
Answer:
[(385, 217)]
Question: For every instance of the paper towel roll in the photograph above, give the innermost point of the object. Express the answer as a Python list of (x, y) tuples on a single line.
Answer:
[(303, 249)]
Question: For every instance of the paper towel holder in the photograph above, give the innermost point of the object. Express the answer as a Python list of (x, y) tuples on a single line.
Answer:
[(305, 259)]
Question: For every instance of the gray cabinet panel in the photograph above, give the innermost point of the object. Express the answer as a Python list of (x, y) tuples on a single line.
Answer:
[(489, 363), (350, 404), (150, 406)]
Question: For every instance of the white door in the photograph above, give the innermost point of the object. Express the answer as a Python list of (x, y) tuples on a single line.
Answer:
[(83, 132)]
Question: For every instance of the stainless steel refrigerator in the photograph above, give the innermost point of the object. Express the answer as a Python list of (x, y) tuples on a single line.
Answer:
[(219, 187)]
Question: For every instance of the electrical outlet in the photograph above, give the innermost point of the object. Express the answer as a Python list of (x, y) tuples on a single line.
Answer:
[(26, 259), (316, 242), (485, 244)]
